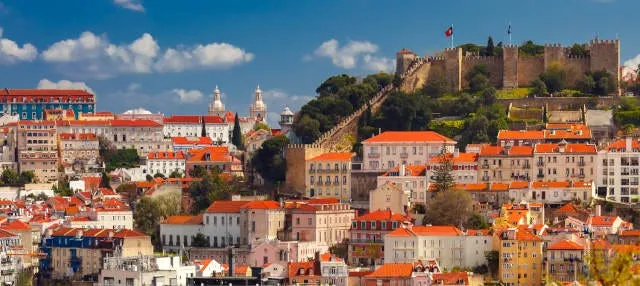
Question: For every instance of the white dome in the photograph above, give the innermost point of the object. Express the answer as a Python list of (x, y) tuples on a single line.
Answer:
[(287, 111), (139, 110)]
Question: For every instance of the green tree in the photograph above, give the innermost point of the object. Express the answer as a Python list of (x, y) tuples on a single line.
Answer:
[(203, 128), (105, 180), (63, 189), (27, 177), (488, 96), (149, 211), (443, 180), (530, 48), (24, 277), (262, 126), (128, 191), (106, 148), (554, 77), (450, 207), (149, 178), (615, 271), (373, 252), (236, 137), (175, 174), (334, 84), (340, 250), (578, 50), (478, 78), (493, 260), (159, 175), (586, 84), (199, 240), (490, 47), (10, 177), (122, 158), (538, 88), (477, 221), (211, 188), (197, 172), (269, 161)]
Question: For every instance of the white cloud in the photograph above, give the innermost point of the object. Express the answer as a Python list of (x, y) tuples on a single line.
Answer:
[(188, 96), (63, 84), (214, 55), (631, 67), (134, 86), (277, 99), (347, 55), (11, 52), (93, 56), (377, 64), (133, 5)]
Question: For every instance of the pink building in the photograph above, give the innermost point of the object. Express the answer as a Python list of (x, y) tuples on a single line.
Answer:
[(320, 220)]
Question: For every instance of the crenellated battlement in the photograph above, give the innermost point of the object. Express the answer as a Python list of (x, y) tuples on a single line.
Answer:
[(553, 45), (482, 59), (604, 42)]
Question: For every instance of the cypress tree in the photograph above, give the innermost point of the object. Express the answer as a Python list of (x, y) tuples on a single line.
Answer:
[(237, 133), (204, 130), (490, 47)]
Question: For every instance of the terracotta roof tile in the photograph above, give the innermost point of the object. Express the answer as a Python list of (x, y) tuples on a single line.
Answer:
[(226, 206), (380, 215), (393, 270), (451, 278), (334, 156), (568, 148), (525, 235), (169, 155), (193, 119), (78, 136), (192, 140), (631, 232), (184, 219), (461, 158), (568, 208), (261, 205), (520, 135), (16, 225), (565, 244), (601, 220), (409, 136), (410, 170)]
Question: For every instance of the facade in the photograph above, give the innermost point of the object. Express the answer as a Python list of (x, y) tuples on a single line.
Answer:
[(82, 147), (464, 167), (446, 244), (520, 257), (191, 126), (333, 270), (145, 270), (38, 149), (394, 148), (329, 176), (213, 157), (565, 261), (554, 192), (618, 171), (10, 260), (30, 104), (319, 220), (286, 120), (261, 220), (75, 252), (8, 143), (165, 162), (177, 232), (505, 164), (187, 143), (389, 197), (216, 107), (222, 223), (565, 162), (367, 235), (410, 179)]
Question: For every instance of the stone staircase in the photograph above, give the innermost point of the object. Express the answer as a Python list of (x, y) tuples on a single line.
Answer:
[(335, 138)]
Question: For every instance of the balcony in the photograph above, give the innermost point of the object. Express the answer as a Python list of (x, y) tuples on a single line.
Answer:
[(319, 183), (539, 176), (373, 155), (312, 171), (540, 163)]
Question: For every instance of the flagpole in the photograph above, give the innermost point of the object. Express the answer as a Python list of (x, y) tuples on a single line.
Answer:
[(452, 36), (510, 34)]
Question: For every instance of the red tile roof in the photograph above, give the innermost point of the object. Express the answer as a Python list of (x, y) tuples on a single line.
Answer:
[(568, 208), (16, 225), (601, 220), (261, 205), (410, 170), (393, 270), (427, 231), (45, 92), (294, 269), (134, 123), (409, 136), (622, 144), (124, 233), (568, 148), (565, 244), (381, 215), (6, 234), (212, 119), (192, 140), (78, 136), (525, 235), (194, 119), (216, 154), (452, 278), (169, 155), (514, 151), (631, 232), (461, 158), (334, 156), (226, 206), (184, 219), (574, 131), (520, 135)]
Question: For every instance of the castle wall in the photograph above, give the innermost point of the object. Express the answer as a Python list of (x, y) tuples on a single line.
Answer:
[(510, 66), (576, 67), (296, 156), (494, 66), (453, 68), (605, 54), (529, 67), (403, 60), (418, 79), (553, 53)]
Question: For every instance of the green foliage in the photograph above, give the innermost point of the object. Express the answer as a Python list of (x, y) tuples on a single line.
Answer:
[(340, 250), (477, 221), (478, 78), (449, 128), (617, 270), (211, 188), (554, 77), (520, 92), (105, 180), (199, 240), (627, 113), (600, 82), (159, 175), (493, 260), (443, 178), (262, 126), (121, 158), (11, 177), (531, 49), (236, 137), (149, 211), (63, 189), (450, 207), (490, 47), (24, 277), (175, 174), (488, 96), (149, 178), (578, 50), (403, 112), (538, 88), (269, 161), (39, 197), (129, 191), (338, 96), (418, 208)]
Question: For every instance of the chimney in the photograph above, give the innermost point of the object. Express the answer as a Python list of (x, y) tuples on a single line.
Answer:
[(402, 170), (628, 143), (598, 210)]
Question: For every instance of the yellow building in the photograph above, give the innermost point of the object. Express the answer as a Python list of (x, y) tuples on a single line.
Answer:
[(520, 259), (329, 176)]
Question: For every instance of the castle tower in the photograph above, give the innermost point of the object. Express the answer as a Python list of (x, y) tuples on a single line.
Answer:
[(510, 66), (605, 54), (258, 110), (453, 68), (553, 53), (216, 107), (403, 59), (286, 119)]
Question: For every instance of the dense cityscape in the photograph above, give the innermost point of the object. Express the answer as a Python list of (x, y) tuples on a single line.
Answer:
[(487, 163)]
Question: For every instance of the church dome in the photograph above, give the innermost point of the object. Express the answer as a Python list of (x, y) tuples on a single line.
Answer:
[(287, 111)]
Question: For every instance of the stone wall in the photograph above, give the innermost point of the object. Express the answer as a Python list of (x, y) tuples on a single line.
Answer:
[(529, 67), (559, 103), (453, 68), (605, 54), (493, 64), (510, 65), (362, 183), (296, 156)]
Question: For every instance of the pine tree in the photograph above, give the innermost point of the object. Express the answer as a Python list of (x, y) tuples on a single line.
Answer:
[(443, 178), (105, 181), (204, 130), (490, 47), (237, 133)]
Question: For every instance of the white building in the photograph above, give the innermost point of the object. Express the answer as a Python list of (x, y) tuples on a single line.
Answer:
[(216, 107), (464, 167), (393, 148), (333, 270), (411, 179), (446, 244), (145, 270), (110, 214), (208, 268), (165, 162), (558, 193), (618, 171), (258, 109), (191, 126)]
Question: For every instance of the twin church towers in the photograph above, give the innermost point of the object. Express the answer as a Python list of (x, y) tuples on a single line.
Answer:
[(257, 109)]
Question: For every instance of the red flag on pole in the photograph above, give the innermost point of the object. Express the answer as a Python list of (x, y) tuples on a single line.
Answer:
[(449, 32)]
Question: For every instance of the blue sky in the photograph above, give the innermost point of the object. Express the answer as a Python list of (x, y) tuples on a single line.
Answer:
[(167, 56)]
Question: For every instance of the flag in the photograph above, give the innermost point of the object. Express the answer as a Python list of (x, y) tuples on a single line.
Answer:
[(509, 30), (449, 32)]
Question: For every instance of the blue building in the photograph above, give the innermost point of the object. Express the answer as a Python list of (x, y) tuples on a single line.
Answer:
[(30, 104)]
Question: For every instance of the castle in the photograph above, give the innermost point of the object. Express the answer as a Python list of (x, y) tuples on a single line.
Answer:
[(509, 70)]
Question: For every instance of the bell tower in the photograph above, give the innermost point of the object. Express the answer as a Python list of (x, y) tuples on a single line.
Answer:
[(258, 109), (216, 107)]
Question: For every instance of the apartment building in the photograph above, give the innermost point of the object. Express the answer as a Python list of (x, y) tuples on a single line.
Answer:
[(504, 164), (393, 148), (410, 179), (564, 161), (30, 104), (464, 167), (618, 171), (367, 235), (324, 221), (191, 126), (554, 192), (81, 147), (565, 261), (165, 163), (329, 176), (38, 149), (520, 257), (261, 220)]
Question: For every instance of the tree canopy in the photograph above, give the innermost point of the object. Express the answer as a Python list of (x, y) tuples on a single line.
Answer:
[(149, 211), (236, 137), (211, 188), (269, 161), (450, 207)]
